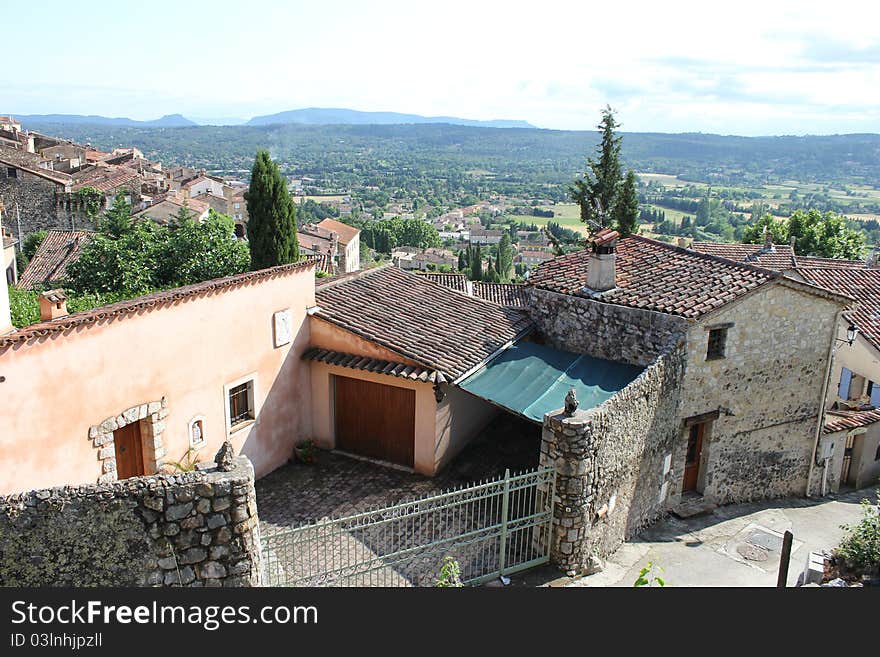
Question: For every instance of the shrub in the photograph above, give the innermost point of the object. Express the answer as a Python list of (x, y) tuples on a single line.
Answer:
[(860, 548), (450, 573)]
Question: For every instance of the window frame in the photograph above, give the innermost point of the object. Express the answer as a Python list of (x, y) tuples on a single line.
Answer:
[(720, 351), (198, 419), (251, 380)]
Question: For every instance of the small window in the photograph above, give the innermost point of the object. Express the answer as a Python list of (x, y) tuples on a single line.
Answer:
[(11, 172), (717, 343), (241, 404)]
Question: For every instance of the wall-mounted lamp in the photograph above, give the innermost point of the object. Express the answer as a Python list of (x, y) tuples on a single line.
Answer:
[(851, 334)]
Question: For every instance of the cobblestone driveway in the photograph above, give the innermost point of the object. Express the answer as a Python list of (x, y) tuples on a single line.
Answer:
[(339, 486)]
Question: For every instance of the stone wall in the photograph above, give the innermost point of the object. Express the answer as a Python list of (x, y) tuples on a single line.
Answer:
[(613, 464), (188, 529), (766, 393), (587, 326), (40, 202)]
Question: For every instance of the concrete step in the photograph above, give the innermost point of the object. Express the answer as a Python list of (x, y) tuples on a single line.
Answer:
[(692, 506)]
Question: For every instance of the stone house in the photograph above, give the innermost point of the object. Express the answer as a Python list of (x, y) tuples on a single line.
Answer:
[(748, 417), (35, 195), (848, 448), (170, 205), (484, 237)]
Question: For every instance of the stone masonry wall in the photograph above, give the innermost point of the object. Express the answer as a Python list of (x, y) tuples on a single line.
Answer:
[(587, 326), (613, 464), (40, 203), (766, 391), (189, 529)]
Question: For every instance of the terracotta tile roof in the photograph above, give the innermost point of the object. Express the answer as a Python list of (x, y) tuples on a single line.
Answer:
[(781, 258), (104, 178), (423, 321), (31, 163), (163, 210), (657, 276), (375, 365), (846, 420), (830, 263), (346, 233), (863, 285), (457, 282), (511, 295), (144, 303), (59, 249)]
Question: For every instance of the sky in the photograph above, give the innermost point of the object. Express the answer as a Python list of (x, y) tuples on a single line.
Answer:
[(747, 68)]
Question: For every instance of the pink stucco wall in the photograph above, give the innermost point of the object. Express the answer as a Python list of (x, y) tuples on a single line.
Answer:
[(57, 387)]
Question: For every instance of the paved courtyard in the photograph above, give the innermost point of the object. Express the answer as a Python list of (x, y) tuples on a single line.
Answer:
[(339, 485), (356, 552), (737, 545)]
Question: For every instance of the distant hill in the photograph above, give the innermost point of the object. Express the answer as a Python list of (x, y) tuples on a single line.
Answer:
[(336, 116), (167, 121)]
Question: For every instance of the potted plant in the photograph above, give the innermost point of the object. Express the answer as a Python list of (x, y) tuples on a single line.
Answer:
[(304, 451)]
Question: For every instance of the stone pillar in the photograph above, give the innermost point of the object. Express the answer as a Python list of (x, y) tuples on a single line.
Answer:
[(567, 445)]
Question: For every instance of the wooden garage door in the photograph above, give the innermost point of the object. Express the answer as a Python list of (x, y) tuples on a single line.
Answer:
[(375, 420)]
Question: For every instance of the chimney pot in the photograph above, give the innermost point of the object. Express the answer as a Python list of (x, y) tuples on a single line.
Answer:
[(53, 305), (602, 268)]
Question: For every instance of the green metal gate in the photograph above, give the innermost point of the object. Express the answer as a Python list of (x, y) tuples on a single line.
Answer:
[(491, 528)]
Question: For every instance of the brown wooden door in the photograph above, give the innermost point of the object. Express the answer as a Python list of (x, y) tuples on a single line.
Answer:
[(692, 459), (375, 420), (129, 451)]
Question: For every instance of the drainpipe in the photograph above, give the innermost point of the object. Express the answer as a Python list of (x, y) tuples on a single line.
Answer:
[(831, 350)]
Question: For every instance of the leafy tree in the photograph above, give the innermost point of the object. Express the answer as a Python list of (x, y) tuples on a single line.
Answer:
[(626, 209), (860, 548), (601, 183), (199, 251), (815, 234), (272, 216), (128, 258), (504, 260)]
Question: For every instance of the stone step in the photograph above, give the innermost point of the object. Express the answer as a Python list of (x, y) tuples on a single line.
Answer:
[(690, 508)]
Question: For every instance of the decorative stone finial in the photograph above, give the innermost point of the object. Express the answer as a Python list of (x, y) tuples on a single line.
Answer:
[(571, 402), (225, 458)]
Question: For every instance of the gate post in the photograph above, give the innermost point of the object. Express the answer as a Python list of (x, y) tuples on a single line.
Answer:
[(505, 508), (567, 446)]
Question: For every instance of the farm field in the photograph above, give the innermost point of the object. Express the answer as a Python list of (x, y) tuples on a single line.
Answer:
[(568, 215)]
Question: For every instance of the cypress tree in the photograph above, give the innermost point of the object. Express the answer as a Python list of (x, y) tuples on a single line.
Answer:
[(272, 216), (602, 182), (462, 263), (626, 210), (476, 260), (504, 261)]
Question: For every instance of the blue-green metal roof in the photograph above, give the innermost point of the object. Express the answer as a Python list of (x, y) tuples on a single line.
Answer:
[(531, 379)]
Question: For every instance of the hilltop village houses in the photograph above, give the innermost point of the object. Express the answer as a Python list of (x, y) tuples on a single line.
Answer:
[(701, 379)]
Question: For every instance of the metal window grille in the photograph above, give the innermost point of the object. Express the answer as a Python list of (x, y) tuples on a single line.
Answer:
[(239, 404)]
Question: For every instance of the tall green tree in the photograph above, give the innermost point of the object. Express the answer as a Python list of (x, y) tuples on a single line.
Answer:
[(600, 185), (504, 260), (475, 258), (272, 216), (626, 209)]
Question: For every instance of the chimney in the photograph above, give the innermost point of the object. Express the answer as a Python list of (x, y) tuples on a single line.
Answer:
[(768, 241), (873, 260), (5, 315), (683, 242), (601, 270), (53, 305)]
